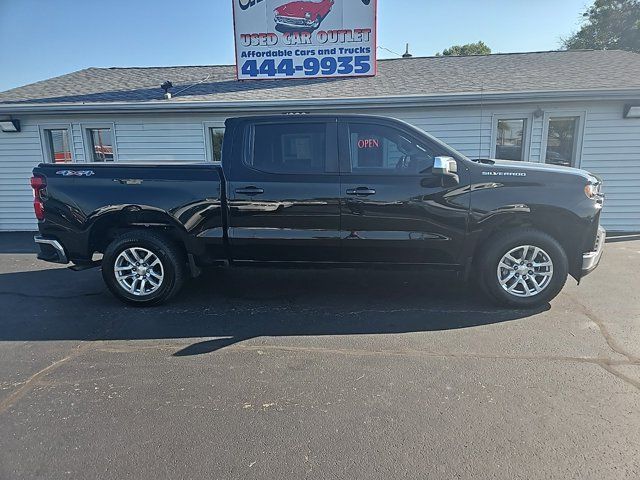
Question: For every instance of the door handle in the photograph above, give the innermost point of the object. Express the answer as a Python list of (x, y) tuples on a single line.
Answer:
[(249, 191), (361, 191)]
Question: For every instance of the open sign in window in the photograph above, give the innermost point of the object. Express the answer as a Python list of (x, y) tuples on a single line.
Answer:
[(385, 150)]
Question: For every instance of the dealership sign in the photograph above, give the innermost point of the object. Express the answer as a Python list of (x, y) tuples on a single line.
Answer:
[(304, 38)]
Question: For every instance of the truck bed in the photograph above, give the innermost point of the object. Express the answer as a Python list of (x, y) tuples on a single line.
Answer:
[(85, 201)]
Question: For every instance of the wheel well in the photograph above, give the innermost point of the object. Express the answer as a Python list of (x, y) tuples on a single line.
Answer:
[(543, 224), (105, 230)]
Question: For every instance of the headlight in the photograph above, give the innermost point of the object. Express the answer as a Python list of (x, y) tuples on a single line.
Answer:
[(307, 15), (592, 190)]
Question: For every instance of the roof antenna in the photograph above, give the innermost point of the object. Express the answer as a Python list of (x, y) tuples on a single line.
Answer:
[(406, 53), (166, 86)]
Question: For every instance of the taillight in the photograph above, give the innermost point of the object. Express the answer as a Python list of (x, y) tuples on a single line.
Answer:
[(38, 184)]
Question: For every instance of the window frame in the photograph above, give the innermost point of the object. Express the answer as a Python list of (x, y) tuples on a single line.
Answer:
[(331, 149), (88, 141), (45, 146), (208, 143), (527, 133), (346, 164), (578, 141)]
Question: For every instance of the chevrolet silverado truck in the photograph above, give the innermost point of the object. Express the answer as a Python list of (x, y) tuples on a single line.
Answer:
[(344, 191)]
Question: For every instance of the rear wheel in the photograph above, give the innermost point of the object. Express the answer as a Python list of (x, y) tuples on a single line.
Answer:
[(523, 268), (143, 268)]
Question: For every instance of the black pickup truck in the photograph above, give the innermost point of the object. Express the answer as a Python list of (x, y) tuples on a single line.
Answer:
[(323, 190)]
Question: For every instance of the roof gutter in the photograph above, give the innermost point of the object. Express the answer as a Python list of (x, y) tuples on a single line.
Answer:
[(457, 99)]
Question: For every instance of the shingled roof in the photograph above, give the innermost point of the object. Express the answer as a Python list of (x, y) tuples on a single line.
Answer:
[(575, 71)]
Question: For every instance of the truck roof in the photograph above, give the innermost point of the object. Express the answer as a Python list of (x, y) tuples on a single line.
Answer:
[(319, 116)]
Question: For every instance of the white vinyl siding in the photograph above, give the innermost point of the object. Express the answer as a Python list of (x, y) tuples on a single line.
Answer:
[(78, 143), (537, 126), (19, 153), (610, 147), (167, 140)]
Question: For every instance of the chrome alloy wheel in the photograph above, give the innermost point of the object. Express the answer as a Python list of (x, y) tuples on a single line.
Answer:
[(139, 271), (525, 271)]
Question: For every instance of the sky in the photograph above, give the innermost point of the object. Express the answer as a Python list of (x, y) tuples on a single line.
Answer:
[(41, 39)]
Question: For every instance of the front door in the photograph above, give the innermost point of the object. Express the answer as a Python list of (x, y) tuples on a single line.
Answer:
[(394, 209), (284, 191)]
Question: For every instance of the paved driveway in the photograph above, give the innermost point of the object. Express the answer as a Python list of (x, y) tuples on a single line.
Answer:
[(316, 374)]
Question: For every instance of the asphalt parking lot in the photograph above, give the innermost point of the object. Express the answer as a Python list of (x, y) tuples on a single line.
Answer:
[(317, 374)]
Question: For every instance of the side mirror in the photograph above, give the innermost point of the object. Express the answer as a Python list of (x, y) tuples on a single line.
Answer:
[(447, 168)]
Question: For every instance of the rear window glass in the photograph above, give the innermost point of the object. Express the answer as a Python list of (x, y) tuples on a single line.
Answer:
[(288, 148)]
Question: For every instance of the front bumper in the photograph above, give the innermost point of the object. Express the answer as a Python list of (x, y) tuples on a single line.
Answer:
[(293, 21), (590, 260), (50, 250)]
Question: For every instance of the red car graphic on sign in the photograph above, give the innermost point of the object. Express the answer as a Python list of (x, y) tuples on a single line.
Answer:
[(302, 14)]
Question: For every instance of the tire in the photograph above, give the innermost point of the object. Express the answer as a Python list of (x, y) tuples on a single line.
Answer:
[(511, 283), (157, 281)]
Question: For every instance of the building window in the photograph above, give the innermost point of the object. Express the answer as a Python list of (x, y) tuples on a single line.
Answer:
[(562, 141), (101, 144), (510, 139), (213, 136), (58, 146), (216, 136)]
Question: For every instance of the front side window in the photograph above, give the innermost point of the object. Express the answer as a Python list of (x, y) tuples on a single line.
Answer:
[(58, 145), (510, 139), (383, 150), (561, 141), (289, 148), (101, 144)]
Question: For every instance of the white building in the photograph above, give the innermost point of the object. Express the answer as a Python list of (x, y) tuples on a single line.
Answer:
[(559, 107)]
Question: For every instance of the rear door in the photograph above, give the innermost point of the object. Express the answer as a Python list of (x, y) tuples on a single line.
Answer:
[(394, 209), (284, 191)]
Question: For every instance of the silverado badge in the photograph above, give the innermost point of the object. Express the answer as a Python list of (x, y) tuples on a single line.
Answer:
[(505, 174)]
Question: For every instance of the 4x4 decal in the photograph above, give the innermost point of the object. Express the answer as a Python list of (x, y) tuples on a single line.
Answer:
[(75, 173)]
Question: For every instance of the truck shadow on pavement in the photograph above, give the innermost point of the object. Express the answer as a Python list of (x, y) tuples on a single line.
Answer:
[(228, 306)]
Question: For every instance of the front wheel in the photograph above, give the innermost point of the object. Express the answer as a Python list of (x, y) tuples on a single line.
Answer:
[(143, 268), (523, 268)]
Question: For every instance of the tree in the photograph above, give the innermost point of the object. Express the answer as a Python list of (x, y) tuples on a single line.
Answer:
[(479, 48), (608, 24)]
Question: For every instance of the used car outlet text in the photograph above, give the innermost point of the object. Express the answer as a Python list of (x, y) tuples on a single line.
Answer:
[(356, 35)]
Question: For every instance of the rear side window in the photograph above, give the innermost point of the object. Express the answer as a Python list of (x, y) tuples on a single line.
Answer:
[(384, 150), (288, 148)]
